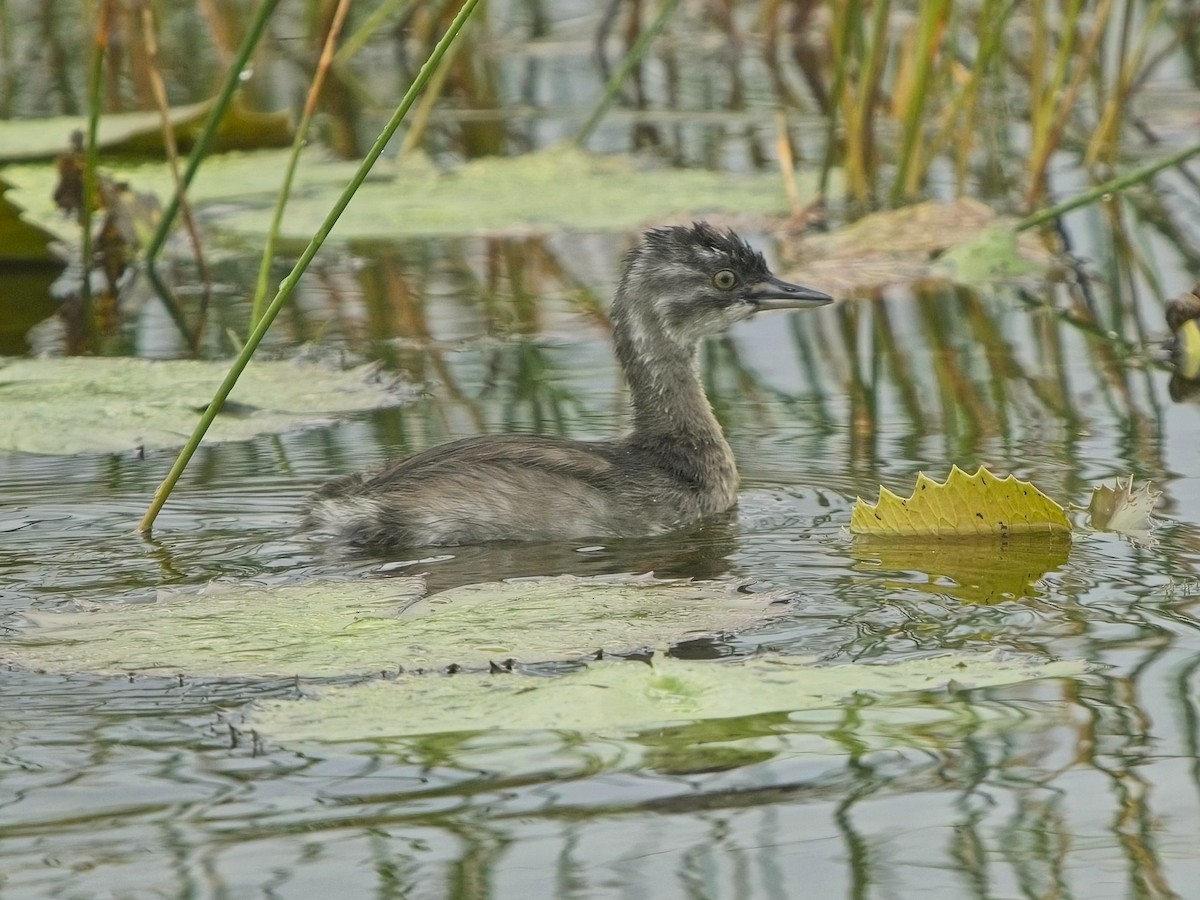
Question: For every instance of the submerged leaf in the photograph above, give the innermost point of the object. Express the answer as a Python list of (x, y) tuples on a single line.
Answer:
[(611, 696), (92, 404), (964, 505), (341, 627), (1121, 508)]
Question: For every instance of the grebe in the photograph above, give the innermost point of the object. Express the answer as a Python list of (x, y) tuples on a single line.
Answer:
[(673, 469)]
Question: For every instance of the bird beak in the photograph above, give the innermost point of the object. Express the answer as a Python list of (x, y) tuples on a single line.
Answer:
[(772, 293)]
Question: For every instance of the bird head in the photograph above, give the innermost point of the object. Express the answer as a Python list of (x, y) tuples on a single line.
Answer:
[(696, 282)]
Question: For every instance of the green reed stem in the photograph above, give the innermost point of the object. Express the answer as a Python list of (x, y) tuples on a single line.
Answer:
[(375, 21), (933, 15), (1113, 186), (100, 50), (215, 115), (842, 32), (632, 58), (420, 120), (868, 106), (301, 136), (288, 285)]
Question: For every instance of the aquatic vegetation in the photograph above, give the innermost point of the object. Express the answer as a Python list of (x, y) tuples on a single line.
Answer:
[(123, 405), (324, 628), (631, 696), (979, 504)]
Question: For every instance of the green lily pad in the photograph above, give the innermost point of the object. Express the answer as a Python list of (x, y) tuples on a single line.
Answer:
[(335, 627), (141, 132), (90, 404), (622, 695), (21, 238), (558, 188)]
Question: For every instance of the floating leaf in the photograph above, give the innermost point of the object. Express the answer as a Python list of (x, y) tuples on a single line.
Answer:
[(90, 404), (991, 257), (963, 242), (21, 238), (550, 189), (622, 695), (140, 133), (1122, 509), (355, 627), (965, 505)]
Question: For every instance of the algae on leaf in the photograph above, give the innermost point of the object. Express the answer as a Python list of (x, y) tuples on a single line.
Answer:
[(622, 696), (100, 405), (562, 187), (550, 189), (324, 628)]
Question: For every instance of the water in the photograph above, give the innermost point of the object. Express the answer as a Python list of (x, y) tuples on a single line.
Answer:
[(1087, 786), (143, 786)]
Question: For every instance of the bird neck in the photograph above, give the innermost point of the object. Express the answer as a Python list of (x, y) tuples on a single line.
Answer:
[(672, 418), (666, 392)]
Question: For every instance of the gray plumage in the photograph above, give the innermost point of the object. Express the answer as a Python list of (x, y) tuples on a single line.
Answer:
[(673, 469)]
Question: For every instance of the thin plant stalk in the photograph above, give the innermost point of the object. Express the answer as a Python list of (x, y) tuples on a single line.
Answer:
[(933, 17), (842, 33), (866, 107), (1130, 67), (215, 115), (285, 190), (632, 58), (420, 120), (160, 99), (787, 163), (100, 50), (288, 285), (965, 102), (1064, 101), (1113, 186), (375, 21)]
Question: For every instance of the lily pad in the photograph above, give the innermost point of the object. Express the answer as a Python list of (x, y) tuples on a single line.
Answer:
[(336, 628), (622, 695), (23, 239), (89, 404), (558, 188), (141, 132)]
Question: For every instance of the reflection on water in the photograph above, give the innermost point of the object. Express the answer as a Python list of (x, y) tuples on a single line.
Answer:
[(1076, 787), (1071, 787)]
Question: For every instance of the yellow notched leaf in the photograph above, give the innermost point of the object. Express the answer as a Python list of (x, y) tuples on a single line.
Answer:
[(964, 506)]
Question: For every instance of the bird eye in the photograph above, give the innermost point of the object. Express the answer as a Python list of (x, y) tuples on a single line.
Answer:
[(725, 280)]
